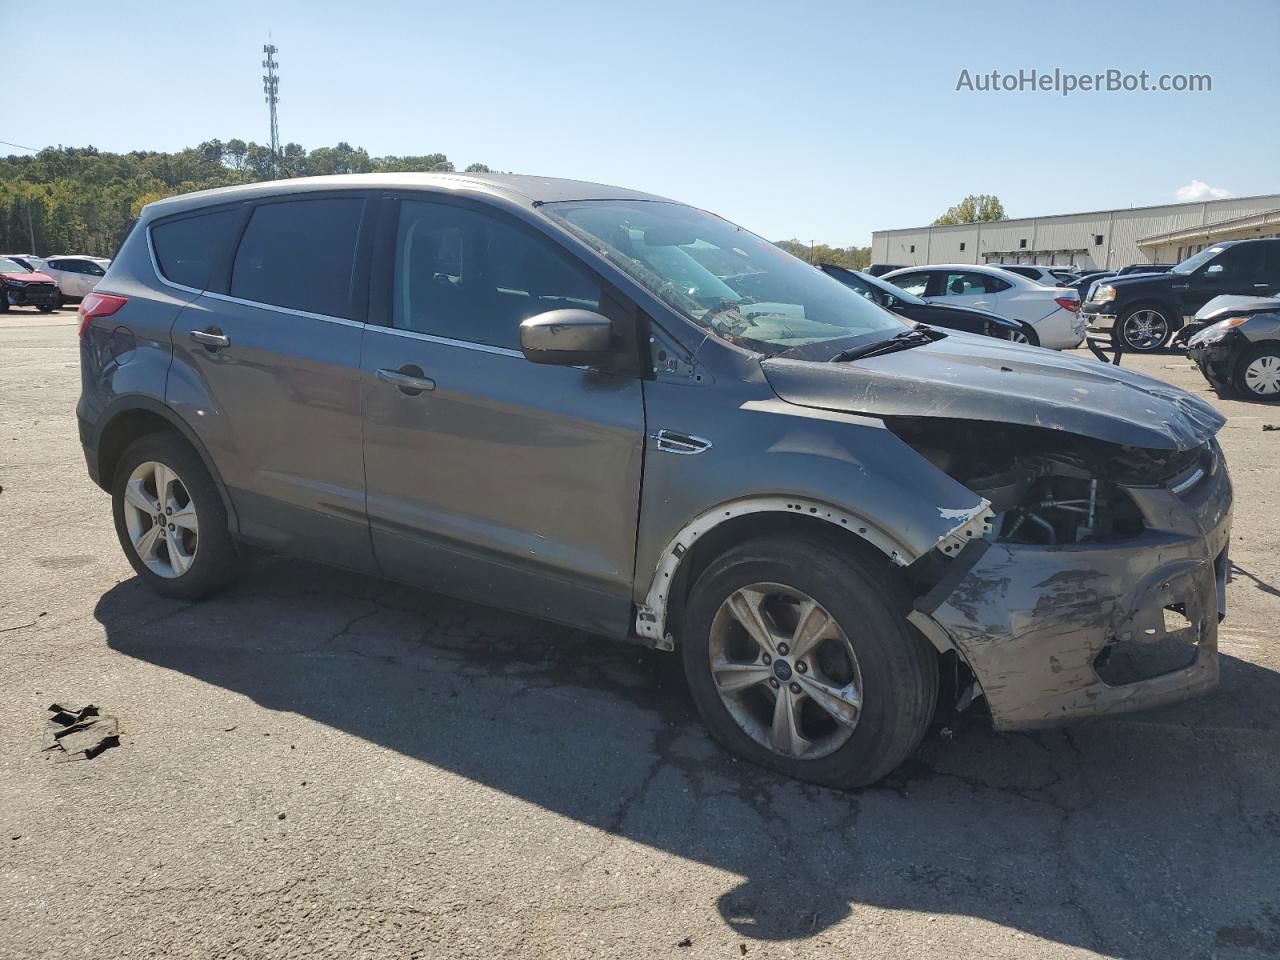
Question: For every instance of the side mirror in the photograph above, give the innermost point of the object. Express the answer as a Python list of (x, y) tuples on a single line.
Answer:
[(567, 338), (1213, 269)]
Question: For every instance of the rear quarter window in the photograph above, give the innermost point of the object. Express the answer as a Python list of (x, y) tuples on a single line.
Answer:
[(188, 248)]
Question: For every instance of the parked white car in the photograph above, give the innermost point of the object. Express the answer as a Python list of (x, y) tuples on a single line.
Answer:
[(1049, 276), (1054, 312), (75, 276)]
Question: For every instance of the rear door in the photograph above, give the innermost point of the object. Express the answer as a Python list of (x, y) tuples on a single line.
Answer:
[(266, 369), (964, 289), (490, 477)]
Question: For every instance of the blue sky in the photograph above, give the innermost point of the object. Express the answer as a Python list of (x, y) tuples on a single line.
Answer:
[(811, 120)]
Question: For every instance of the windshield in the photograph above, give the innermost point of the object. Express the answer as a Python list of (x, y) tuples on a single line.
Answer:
[(728, 281), (1196, 260), (12, 266)]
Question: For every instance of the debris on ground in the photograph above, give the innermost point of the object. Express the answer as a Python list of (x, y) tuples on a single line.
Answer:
[(686, 942), (79, 732), (1270, 426)]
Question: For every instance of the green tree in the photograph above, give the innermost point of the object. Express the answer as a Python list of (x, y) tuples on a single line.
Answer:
[(975, 208), (855, 258), (81, 200)]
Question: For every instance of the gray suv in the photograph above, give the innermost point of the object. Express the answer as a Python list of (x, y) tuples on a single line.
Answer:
[(630, 416)]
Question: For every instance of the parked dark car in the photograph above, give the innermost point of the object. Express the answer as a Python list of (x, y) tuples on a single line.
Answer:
[(1145, 268), (1145, 310), (546, 395), (880, 269), (20, 286), (1237, 346), (968, 319)]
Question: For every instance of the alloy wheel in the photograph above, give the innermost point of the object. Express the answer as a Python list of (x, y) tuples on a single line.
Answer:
[(1018, 336), (161, 519), (1262, 375), (1145, 330), (785, 670)]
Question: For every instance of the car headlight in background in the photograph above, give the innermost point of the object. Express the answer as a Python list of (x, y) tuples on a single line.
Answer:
[(1216, 332), (1104, 293)]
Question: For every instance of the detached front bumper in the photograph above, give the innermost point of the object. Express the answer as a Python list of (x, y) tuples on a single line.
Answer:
[(1217, 360), (1057, 633)]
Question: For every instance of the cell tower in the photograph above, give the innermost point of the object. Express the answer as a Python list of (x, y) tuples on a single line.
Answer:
[(271, 87)]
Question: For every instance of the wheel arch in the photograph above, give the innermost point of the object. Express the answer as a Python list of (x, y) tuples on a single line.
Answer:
[(701, 540), (131, 417)]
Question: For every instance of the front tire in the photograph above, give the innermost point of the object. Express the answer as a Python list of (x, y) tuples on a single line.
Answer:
[(170, 519), (1144, 328), (800, 659), (1258, 374)]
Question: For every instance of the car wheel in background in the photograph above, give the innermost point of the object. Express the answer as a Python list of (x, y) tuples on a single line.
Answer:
[(1258, 377), (1024, 335), (170, 518), (1145, 328), (800, 659)]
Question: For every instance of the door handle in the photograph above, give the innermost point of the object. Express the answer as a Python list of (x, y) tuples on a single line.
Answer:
[(211, 338), (409, 379), (1261, 286)]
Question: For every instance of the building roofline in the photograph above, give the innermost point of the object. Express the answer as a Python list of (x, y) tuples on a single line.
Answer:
[(1206, 230), (1082, 213)]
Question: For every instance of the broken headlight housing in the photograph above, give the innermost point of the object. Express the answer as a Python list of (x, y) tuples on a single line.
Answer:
[(1046, 487)]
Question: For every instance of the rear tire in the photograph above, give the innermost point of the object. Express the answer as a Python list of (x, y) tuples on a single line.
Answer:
[(857, 700), (1026, 335), (1258, 374), (171, 520)]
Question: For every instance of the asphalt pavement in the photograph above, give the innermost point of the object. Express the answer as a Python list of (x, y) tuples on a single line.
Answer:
[(317, 764)]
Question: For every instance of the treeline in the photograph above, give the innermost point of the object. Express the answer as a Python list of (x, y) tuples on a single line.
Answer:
[(855, 258), (82, 200)]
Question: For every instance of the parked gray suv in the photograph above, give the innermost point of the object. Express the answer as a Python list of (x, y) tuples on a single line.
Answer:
[(630, 416)]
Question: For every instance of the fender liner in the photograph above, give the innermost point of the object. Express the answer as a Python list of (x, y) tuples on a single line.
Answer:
[(651, 615)]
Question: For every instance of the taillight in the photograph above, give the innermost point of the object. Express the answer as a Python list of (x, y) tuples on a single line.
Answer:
[(96, 305), (1067, 303)]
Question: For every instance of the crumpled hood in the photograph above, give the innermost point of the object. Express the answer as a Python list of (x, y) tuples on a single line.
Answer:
[(978, 378), (27, 277)]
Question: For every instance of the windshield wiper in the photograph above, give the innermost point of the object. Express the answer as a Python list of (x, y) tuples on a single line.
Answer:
[(915, 337)]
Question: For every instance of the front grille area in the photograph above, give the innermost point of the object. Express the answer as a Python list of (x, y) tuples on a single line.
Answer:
[(32, 294)]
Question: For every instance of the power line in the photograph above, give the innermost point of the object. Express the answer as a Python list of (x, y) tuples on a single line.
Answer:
[(271, 87), (19, 146)]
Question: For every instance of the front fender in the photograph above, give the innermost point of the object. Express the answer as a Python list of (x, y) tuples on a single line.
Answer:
[(770, 456)]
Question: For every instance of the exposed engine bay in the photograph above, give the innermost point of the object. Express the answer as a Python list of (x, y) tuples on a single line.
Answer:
[(1048, 487)]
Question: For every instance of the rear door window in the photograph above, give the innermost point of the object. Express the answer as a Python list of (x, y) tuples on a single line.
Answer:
[(300, 254), (188, 248)]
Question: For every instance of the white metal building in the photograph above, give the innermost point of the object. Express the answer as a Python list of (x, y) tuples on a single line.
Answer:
[(1105, 239)]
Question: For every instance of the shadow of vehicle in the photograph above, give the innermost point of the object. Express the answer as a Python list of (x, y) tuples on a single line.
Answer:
[(1157, 835)]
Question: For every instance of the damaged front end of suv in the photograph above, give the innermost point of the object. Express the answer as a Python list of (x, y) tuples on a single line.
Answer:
[(1101, 583), (1098, 582)]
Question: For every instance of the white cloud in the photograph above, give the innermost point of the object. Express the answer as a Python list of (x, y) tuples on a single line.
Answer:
[(1199, 190)]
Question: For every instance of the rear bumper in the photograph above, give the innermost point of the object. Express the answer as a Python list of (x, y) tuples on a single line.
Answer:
[(1055, 634)]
